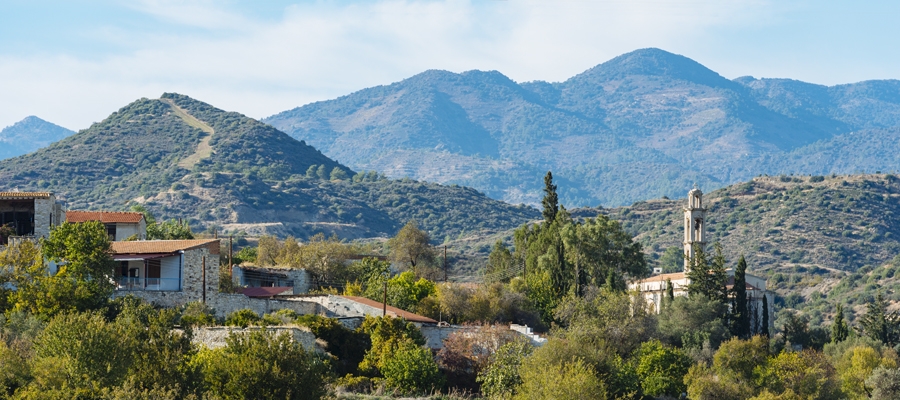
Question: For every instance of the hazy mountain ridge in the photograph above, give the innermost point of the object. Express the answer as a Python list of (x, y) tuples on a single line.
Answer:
[(28, 135), (243, 176), (642, 125)]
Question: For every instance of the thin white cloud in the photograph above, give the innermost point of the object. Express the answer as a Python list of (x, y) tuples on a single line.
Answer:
[(320, 50)]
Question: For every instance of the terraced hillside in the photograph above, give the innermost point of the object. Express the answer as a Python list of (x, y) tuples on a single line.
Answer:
[(183, 158)]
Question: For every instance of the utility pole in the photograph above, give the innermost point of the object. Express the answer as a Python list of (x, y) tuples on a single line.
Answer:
[(445, 263), (204, 278), (384, 304)]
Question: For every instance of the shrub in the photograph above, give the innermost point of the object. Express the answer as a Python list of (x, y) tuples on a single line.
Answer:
[(346, 345), (197, 313), (243, 318), (262, 365), (501, 375), (885, 383), (570, 380), (411, 369), (662, 369)]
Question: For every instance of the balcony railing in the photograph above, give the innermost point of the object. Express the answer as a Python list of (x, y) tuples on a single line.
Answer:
[(148, 284)]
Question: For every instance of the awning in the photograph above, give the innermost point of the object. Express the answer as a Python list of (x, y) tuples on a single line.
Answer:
[(140, 257)]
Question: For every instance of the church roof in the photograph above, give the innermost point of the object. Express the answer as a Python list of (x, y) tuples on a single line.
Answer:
[(662, 277), (676, 276)]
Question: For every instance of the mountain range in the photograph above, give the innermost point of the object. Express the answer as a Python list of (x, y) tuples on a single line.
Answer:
[(643, 125), (28, 135), (183, 158)]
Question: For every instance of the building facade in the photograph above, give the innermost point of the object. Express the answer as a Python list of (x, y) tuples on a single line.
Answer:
[(655, 288), (30, 214), (167, 272), (119, 225)]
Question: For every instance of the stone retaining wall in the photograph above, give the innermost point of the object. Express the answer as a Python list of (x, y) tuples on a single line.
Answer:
[(215, 337)]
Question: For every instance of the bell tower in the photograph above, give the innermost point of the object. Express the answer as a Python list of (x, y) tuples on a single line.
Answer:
[(694, 225)]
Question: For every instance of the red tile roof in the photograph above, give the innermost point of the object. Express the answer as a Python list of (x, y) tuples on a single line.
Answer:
[(163, 246), (394, 311), (26, 195), (107, 217), (662, 277)]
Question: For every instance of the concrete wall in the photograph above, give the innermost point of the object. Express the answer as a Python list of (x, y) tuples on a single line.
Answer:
[(124, 231), (215, 337)]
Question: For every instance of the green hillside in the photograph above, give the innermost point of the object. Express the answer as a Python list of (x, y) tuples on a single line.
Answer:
[(186, 159), (832, 222), (643, 125)]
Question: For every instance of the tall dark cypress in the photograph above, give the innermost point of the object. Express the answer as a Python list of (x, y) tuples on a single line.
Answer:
[(839, 329), (741, 315), (551, 200), (764, 329)]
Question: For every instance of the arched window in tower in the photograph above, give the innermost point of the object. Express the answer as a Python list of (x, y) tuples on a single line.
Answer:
[(697, 225)]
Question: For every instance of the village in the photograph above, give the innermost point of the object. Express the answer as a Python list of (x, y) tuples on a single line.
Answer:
[(190, 274)]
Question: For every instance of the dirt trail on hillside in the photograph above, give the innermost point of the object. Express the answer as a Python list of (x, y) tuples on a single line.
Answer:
[(204, 149)]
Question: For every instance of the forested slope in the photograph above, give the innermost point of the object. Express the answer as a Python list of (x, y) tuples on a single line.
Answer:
[(241, 175)]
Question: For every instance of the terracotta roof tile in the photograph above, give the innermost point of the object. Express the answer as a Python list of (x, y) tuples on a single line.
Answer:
[(392, 310), (26, 195), (662, 277), (107, 217), (162, 246)]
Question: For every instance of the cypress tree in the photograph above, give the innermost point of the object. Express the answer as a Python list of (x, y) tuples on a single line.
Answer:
[(839, 330), (764, 329), (741, 315), (670, 291), (551, 200)]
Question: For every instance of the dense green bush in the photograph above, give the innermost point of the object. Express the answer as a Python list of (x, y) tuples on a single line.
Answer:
[(264, 366), (243, 318), (411, 369)]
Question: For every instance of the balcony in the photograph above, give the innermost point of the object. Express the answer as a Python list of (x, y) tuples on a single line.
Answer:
[(135, 284)]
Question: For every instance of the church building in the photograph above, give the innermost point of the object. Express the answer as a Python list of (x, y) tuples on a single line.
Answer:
[(655, 287)]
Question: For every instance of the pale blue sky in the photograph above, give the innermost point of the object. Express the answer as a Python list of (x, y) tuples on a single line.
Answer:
[(74, 62)]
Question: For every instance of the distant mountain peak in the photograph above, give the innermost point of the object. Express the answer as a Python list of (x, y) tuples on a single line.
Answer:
[(29, 134), (656, 62)]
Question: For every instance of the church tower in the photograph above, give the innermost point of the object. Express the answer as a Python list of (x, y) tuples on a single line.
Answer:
[(694, 226)]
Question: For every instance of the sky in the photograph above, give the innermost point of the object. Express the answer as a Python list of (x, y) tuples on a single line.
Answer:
[(74, 62)]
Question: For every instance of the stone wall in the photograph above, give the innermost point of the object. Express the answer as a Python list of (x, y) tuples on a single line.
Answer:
[(435, 335), (225, 304), (214, 337), (44, 216)]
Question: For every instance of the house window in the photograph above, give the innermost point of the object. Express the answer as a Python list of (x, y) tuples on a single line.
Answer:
[(111, 231), (153, 269)]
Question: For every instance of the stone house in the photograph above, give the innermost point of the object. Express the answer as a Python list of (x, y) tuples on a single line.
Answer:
[(119, 225), (30, 214), (297, 280), (169, 273)]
